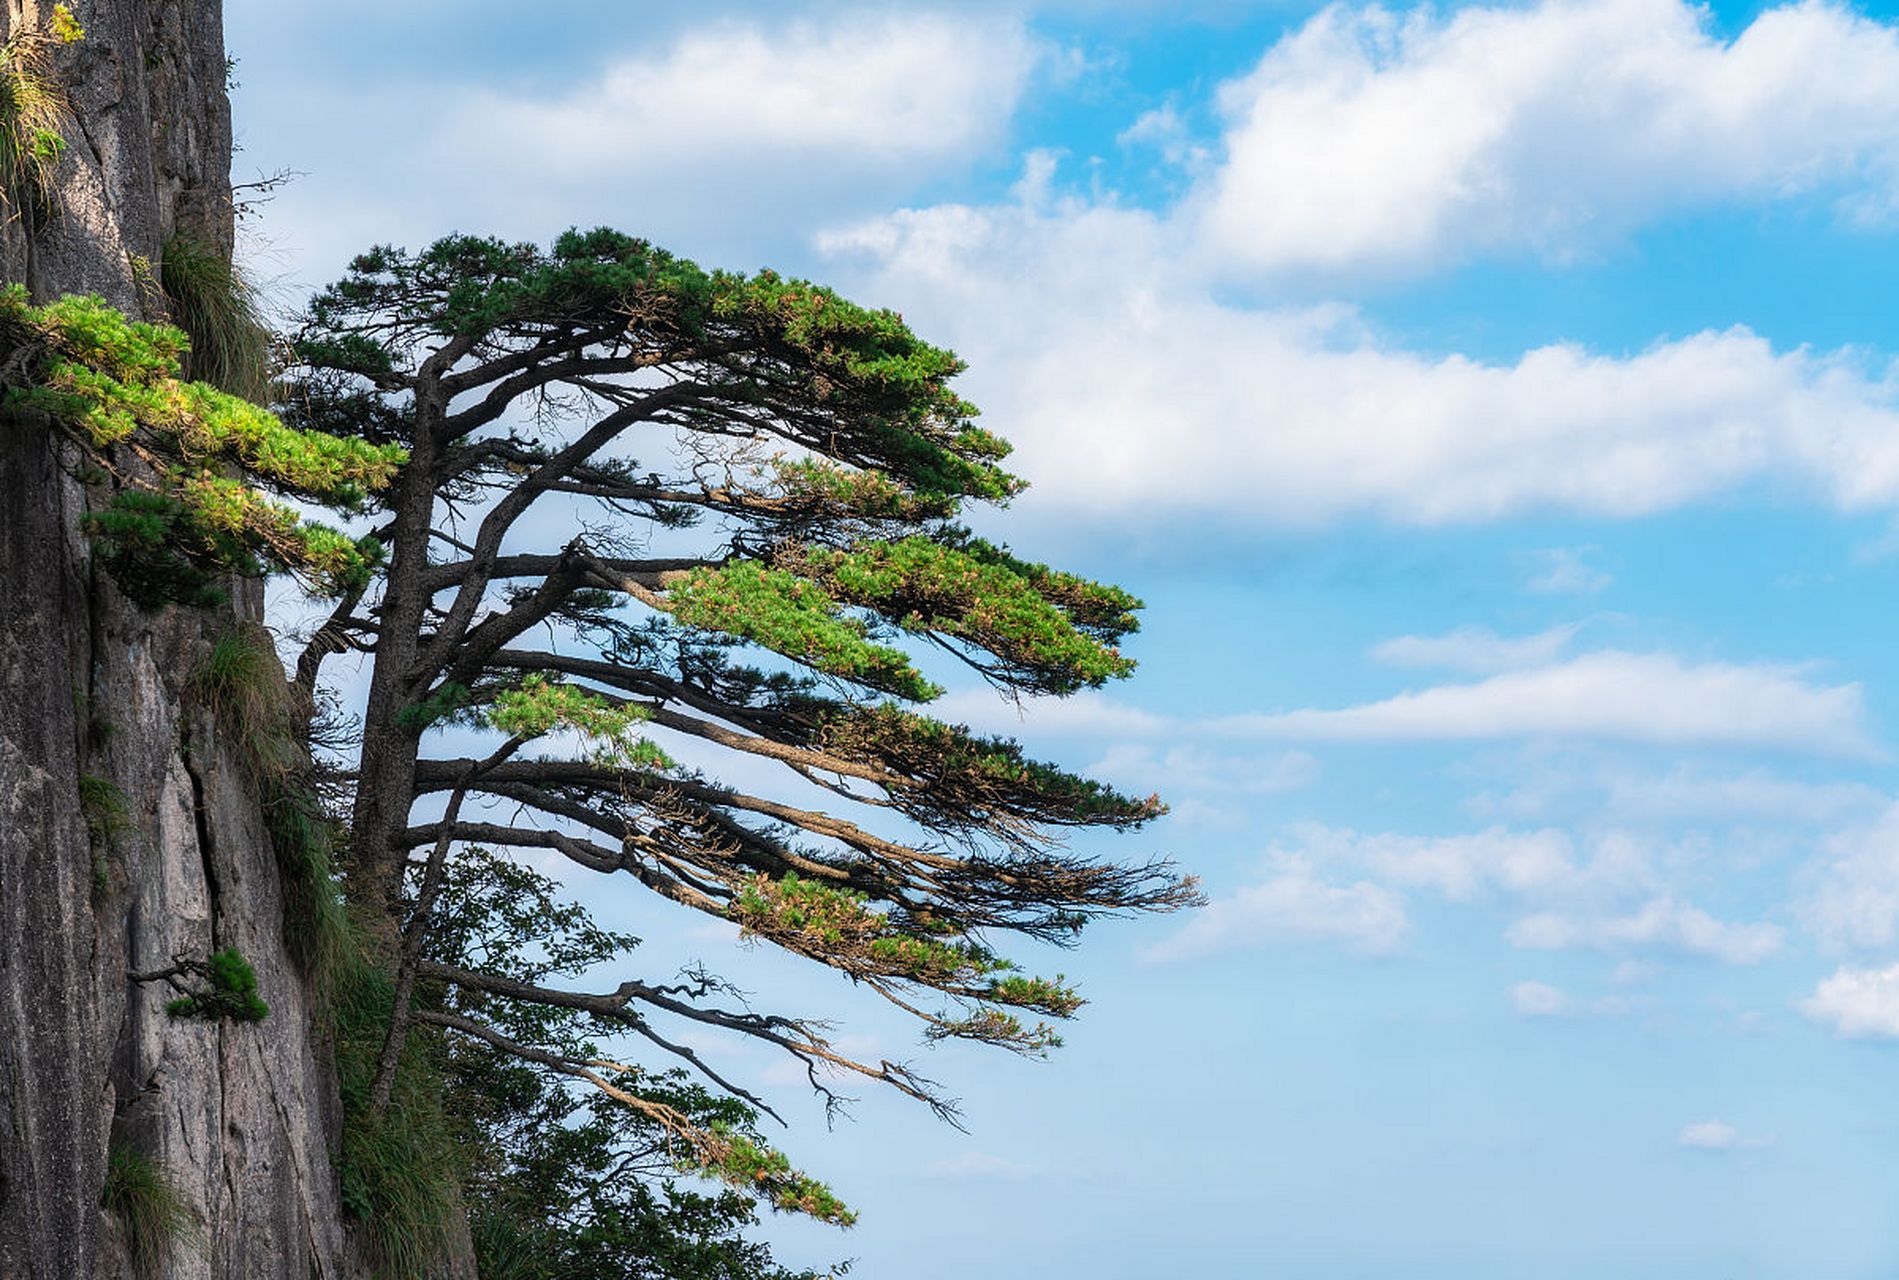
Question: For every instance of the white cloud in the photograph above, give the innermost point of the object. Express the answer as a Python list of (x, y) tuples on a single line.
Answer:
[(875, 87), (1086, 714), (1079, 324), (1852, 889), (1609, 694), (1610, 790), (1539, 1000), (727, 136), (1563, 571), (1715, 1135), (1857, 1003), (979, 1166), (1377, 140), (1477, 649), (1536, 864), (1532, 999), (1189, 768), (1663, 923), (1292, 905)]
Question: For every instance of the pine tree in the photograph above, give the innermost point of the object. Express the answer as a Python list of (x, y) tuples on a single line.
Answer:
[(748, 586)]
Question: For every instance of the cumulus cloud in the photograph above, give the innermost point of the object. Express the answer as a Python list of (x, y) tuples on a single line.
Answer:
[(876, 88), (1662, 923), (1079, 324), (1609, 694), (1857, 1003), (1293, 905), (1477, 649), (1379, 140), (725, 136)]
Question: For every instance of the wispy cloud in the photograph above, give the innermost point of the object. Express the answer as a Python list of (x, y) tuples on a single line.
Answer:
[(979, 1166), (1563, 571), (1532, 999), (1477, 649), (1662, 923), (1293, 904), (1715, 1135), (1630, 697)]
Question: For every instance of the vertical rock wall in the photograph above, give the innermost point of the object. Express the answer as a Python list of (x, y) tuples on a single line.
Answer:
[(241, 1118)]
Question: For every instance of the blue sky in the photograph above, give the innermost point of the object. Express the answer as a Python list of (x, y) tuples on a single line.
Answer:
[(1496, 408)]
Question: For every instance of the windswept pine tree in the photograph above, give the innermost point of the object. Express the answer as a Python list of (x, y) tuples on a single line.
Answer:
[(644, 504)]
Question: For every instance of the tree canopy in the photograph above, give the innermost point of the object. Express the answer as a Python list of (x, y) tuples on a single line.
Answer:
[(658, 535)]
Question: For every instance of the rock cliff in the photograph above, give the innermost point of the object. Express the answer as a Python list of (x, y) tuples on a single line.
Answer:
[(129, 832)]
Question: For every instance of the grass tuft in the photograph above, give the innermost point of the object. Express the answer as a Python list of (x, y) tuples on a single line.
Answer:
[(400, 1171), (211, 301), (32, 108), (242, 683), (108, 813), (151, 1215)]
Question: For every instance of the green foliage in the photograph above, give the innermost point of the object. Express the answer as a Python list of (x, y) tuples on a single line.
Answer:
[(316, 921), (884, 393), (971, 778), (150, 1213), (442, 702), (807, 915), (539, 706), (211, 302), (230, 991), (181, 520), (563, 1180), (768, 1174), (65, 28), (986, 599), (793, 616)]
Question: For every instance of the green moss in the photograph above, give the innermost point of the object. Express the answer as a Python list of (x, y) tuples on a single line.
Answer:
[(150, 1213)]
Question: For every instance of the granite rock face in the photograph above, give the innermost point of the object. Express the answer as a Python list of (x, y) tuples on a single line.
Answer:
[(241, 1118)]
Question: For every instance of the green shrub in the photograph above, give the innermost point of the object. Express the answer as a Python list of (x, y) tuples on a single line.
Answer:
[(230, 991)]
